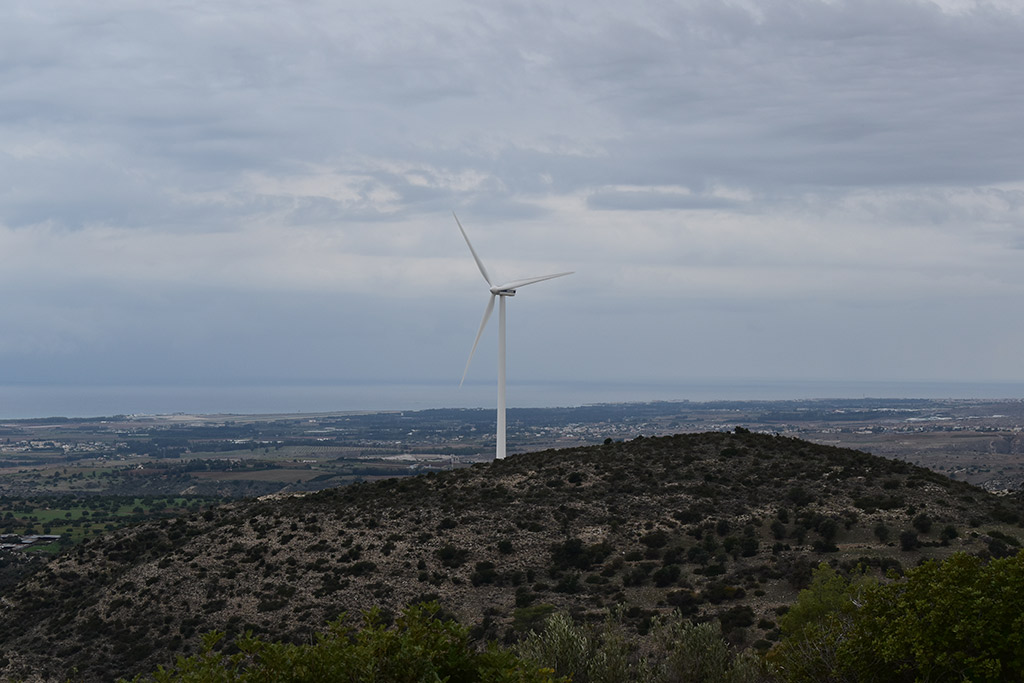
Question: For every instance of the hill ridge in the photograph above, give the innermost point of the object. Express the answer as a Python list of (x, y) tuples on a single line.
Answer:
[(718, 525)]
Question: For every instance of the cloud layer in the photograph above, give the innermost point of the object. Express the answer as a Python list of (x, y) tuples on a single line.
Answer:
[(258, 191)]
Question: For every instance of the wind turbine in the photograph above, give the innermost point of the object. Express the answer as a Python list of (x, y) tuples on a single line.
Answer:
[(501, 292)]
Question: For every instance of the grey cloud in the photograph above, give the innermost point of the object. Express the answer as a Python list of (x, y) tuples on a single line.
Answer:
[(357, 127), (877, 94), (654, 201)]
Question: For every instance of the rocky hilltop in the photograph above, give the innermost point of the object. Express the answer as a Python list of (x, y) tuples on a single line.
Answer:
[(718, 525)]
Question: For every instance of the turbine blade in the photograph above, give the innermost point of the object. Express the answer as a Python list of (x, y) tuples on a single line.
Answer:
[(529, 281), (479, 263), (483, 324)]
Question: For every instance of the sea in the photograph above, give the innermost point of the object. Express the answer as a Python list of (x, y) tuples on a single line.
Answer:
[(18, 401)]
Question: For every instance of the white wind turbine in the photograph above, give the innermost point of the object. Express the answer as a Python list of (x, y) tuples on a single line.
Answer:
[(499, 291)]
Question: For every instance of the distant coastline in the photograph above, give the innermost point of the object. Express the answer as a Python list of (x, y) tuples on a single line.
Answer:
[(47, 400)]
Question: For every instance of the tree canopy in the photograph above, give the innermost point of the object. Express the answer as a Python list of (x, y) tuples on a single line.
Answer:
[(960, 619)]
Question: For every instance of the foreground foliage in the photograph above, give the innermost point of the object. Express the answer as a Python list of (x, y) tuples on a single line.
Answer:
[(420, 647), (683, 651), (961, 619), (423, 647)]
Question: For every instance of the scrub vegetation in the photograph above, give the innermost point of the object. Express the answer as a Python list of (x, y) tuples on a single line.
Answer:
[(959, 619), (626, 549)]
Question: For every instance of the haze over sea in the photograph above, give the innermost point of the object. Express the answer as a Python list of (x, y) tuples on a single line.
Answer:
[(48, 400)]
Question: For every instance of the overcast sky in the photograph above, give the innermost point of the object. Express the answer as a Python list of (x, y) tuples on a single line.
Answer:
[(225, 192)]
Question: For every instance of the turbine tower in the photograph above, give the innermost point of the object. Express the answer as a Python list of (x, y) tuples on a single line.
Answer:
[(501, 292)]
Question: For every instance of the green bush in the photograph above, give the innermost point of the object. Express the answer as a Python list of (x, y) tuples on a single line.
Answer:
[(483, 572), (815, 627), (602, 653), (595, 654), (419, 648), (573, 554), (922, 523), (532, 617), (961, 619), (655, 539), (698, 653), (451, 556), (909, 540), (667, 575), (800, 497)]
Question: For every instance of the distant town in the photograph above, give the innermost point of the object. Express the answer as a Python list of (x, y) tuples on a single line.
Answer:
[(978, 441)]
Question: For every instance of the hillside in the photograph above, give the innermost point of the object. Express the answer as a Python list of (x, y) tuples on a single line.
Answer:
[(717, 525)]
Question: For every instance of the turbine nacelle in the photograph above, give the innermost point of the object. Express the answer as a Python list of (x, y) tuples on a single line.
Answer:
[(509, 288)]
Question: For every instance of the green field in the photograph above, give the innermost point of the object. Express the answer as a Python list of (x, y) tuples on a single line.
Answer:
[(76, 518)]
